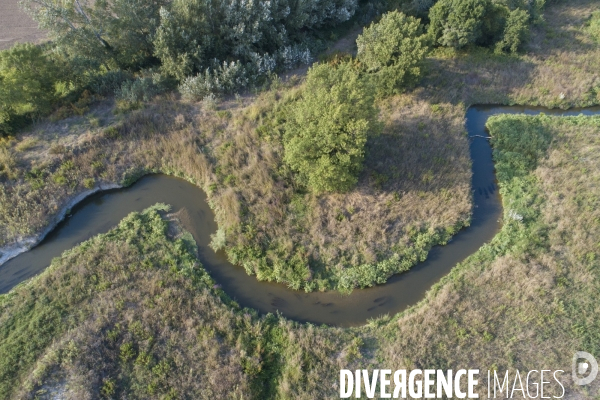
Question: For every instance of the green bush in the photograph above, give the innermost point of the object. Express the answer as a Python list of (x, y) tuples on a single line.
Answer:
[(515, 31), (593, 25), (109, 82), (458, 23), (393, 50), (142, 89), (224, 78), (27, 85), (325, 136), (503, 24)]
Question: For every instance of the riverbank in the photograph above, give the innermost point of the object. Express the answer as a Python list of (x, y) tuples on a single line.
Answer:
[(25, 244)]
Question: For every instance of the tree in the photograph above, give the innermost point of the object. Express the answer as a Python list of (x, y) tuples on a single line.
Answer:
[(325, 136), (393, 50), (515, 31), (458, 23), (199, 35), (116, 33), (27, 84)]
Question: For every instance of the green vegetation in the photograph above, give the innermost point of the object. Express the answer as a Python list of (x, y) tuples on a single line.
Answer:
[(458, 23), (233, 44), (28, 85), (593, 25), (327, 131), (515, 31), (393, 50)]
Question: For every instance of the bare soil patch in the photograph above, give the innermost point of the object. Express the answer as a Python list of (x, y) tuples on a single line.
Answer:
[(16, 26)]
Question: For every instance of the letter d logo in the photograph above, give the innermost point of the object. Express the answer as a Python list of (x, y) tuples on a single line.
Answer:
[(580, 368)]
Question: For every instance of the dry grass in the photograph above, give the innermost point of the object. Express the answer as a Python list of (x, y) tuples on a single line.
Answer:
[(524, 309), (561, 58)]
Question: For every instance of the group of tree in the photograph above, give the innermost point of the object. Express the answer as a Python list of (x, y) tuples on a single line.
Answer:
[(206, 46), (328, 127), (223, 43), (219, 46), (501, 24)]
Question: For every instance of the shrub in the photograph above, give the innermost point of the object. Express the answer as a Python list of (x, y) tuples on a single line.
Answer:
[(109, 82), (27, 85), (142, 89), (8, 164), (225, 78), (458, 23), (515, 31), (393, 50), (593, 25), (327, 131), (89, 183)]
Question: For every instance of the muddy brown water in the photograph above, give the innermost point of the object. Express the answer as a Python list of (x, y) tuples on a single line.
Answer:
[(102, 211)]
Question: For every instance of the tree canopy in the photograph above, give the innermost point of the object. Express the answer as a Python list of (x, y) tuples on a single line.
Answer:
[(27, 84), (393, 50), (500, 23), (326, 134), (116, 34)]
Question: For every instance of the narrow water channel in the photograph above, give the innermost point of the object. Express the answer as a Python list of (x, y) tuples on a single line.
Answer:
[(102, 211)]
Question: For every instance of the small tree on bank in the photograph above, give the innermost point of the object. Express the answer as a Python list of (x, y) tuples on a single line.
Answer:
[(325, 136), (392, 50)]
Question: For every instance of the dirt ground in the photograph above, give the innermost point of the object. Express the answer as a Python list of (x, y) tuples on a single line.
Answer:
[(16, 25)]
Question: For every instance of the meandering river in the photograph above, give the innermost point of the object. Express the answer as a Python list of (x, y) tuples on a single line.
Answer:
[(102, 211)]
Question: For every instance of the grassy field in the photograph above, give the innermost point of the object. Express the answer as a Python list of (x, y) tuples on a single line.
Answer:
[(16, 26), (413, 193), (131, 313)]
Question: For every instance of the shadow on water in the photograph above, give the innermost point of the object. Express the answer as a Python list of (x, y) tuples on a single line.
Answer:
[(100, 212)]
